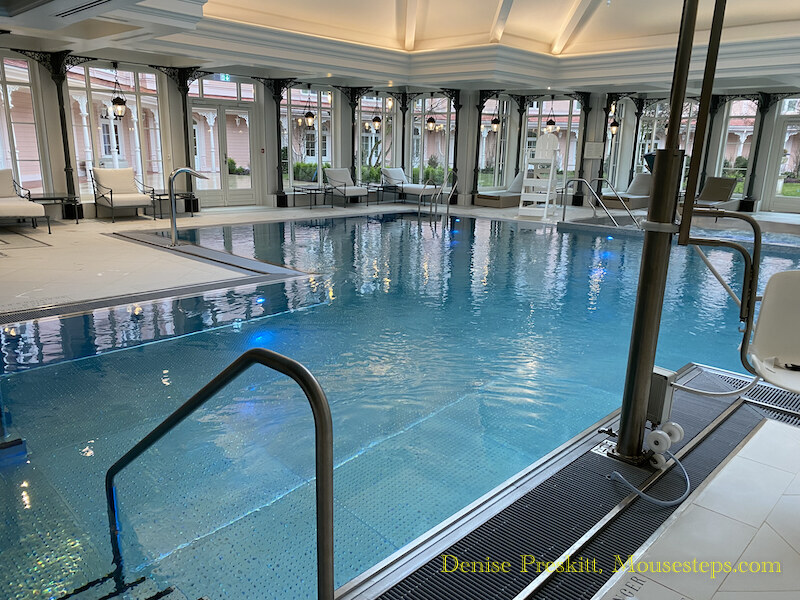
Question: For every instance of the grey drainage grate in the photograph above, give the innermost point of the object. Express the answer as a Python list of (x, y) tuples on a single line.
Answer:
[(772, 396), (546, 521)]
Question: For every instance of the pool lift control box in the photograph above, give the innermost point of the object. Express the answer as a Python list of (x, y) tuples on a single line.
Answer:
[(659, 406)]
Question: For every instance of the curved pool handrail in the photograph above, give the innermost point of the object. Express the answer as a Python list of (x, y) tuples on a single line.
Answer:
[(323, 430)]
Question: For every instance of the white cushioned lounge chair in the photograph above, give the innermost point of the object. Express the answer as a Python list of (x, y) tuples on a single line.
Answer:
[(717, 192), (395, 177), (118, 188), (15, 202), (341, 184), (502, 198), (636, 196)]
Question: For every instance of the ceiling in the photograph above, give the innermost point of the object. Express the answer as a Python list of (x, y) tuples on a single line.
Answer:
[(514, 44)]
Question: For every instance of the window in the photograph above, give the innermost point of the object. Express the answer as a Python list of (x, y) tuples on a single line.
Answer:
[(110, 146), (105, 141), (311, 143), (567, 115), (305, 149), (19, 143), (376, 143), (740, 123), (221, 86), (433, 122)]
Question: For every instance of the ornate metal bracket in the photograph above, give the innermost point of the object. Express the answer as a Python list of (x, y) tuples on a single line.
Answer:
[(353, 94), (484, 95), (182, 76), (276, 87), (583, 98), (404, 99), (455, 97), (56, 63)]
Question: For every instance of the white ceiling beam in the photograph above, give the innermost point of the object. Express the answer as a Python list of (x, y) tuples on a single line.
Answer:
[(578, 13), (500, 18), (408, 29)]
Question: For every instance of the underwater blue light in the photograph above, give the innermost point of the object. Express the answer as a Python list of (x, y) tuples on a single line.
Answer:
[(454, 231), (611, 237), (261, 338), (458, 220), (260, 300)]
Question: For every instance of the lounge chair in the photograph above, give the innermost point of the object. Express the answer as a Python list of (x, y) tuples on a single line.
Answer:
[(395, 180), (118, 188), (717, 192), (341, 184), (15, 202), (775, 349), (502, 198), (636, 196)]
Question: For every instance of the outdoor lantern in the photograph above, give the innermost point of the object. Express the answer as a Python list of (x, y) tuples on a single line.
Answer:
[(118, 103), (550, 125), (495, 123), (614, 126), (309, 118), (376, 122), (430, 123)]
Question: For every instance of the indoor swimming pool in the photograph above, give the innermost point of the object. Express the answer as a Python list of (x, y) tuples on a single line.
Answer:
[(454, 353)]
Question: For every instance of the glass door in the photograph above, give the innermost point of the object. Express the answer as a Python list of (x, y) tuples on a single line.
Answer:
[(786, 168), (222, 149)]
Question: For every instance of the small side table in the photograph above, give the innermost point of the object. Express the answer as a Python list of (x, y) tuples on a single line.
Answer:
[(64, 200), (190, 201), (313, 192)]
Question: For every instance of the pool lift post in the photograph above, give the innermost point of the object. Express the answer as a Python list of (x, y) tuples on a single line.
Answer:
[(659, 229), (173, 210)]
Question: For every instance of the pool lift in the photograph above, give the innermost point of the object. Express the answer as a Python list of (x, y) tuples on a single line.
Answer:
[(773, 354)]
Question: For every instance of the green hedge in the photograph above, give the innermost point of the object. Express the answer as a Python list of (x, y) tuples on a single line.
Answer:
[(307, 171)]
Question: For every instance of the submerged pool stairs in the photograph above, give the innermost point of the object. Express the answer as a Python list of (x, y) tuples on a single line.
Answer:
[(142, 588), (562, 505)]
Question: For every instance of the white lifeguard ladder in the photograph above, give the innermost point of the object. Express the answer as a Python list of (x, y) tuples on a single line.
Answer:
[(539, 180)]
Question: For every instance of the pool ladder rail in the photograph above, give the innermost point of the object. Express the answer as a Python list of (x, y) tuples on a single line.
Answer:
[(597, 199), (436, 198), (323, 454)]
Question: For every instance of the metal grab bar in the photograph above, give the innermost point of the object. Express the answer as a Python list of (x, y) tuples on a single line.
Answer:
[(596, 197), (438, 195), (427, 182), (621, 201), (752, 264), (173, 209), (323, 445)]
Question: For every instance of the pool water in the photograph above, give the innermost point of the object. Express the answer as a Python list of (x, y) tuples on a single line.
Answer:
[(454, 353)]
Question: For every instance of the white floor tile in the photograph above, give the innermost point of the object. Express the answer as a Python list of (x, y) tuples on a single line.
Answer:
[(760, 596), (698, 535), (785, 519), (639, 587), (794, 487), (767, 546), (775, 444), (732, 492)]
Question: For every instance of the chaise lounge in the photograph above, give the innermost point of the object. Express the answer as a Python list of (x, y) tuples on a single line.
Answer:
[(636, 196), (341, 184), (395, 180), (502, 198), (15, 202)]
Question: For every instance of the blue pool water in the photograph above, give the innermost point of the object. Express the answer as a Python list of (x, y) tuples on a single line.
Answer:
[(453, 355)]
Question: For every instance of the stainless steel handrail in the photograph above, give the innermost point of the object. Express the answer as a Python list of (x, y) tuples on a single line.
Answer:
[(173, 209), (420, 196), (596, 197), (324, 455), (752, 264), (438, 195), (621, 201)]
